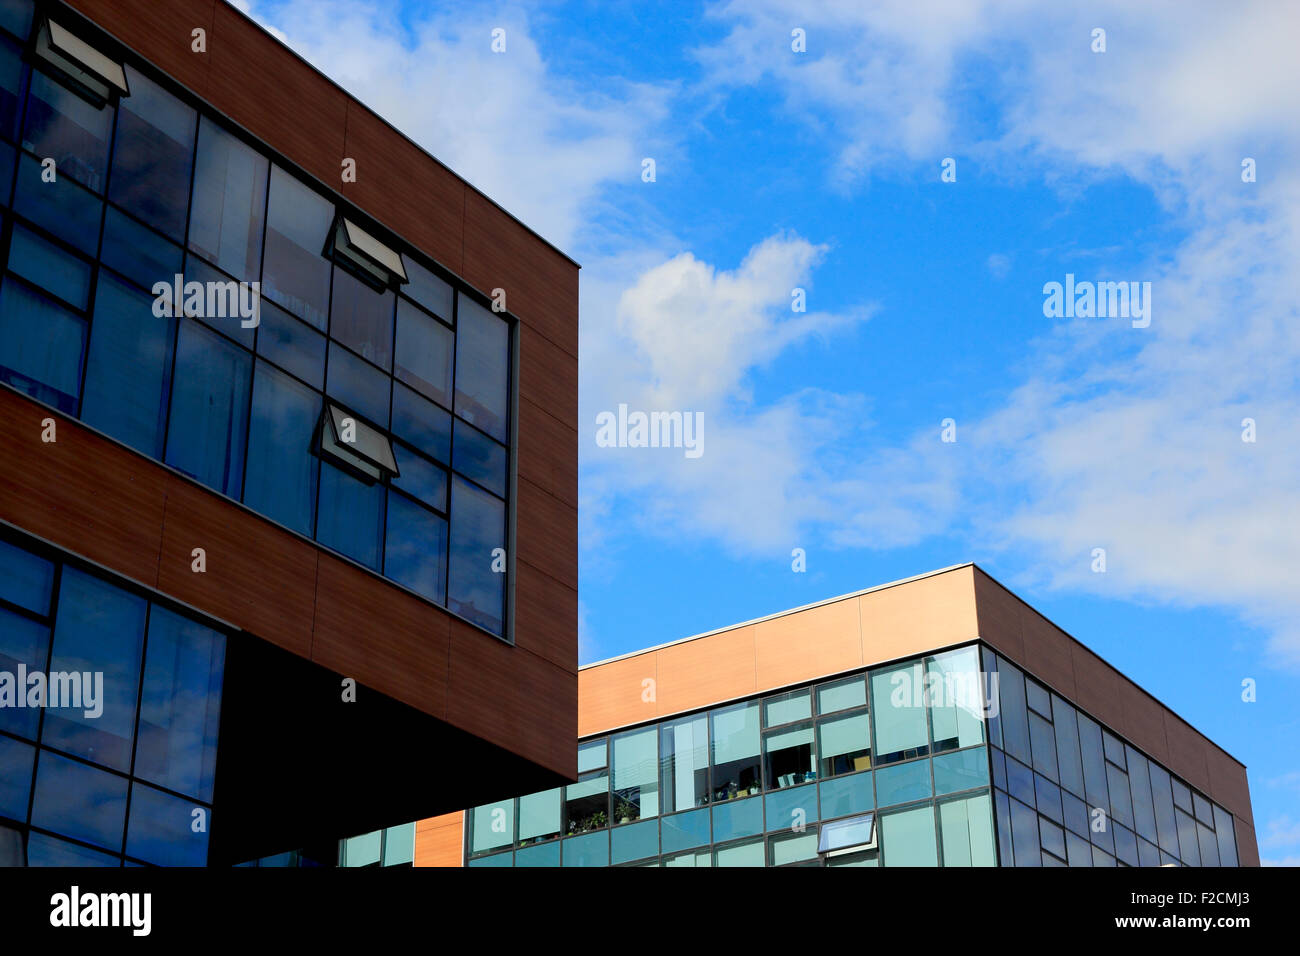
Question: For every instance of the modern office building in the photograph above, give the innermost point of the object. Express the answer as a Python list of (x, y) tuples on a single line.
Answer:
[(933, 721), (288, 487)]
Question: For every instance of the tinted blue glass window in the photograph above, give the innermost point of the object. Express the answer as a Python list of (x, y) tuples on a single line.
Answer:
[(100, 628), (482, 368), (50, 267), (635, 841), (844, 795), (420, 478), (961, 770), (1121, 807), (294, 346), (11, 80), (1042, 739), (358, 385), (8, 157), (25, 642), (1020, 781), (361, 318), (17, 760), (420, 422), (219, 302), (16, 16), (427, 289), (737, 818), (415, 552), (1015, 722), (476, 456), (350, 517), (25, 578), (140, 254), (424, 353), (161, 829), (180, 707), (1053, 838), (682, 831), (228, 203), (205, 436), (63, 208), (45, 850), (79, 801), (153, 156), (1066, 729), (544, 854), (903, 782), (478, 528), (1024, 835), (1048, 798), (296, 274), (1094, 763), (128, 367), (591, 849), (62, 126), (41, 346), (281, 480), (791, 806)]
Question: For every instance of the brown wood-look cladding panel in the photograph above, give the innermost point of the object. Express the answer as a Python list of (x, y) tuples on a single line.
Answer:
[(258, 577), (398, 183), (618, 694), (161, 32), (545, 611), (540, 435), (275, 96), (81, 492), (1247, 848), (383, 637), (547, 535), (548, 376), (439, 841), (514, 698)]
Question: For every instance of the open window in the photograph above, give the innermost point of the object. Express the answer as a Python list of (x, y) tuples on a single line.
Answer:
[(94, 75), (371, 260), (850, 835), (356, 444)]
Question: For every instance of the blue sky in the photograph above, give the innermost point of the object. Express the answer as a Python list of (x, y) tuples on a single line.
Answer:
[(821, 170)]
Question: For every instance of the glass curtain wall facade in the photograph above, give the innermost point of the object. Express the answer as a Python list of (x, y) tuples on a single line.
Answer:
[(100, 203), (129, 780), (882, 767), (1068, 792)]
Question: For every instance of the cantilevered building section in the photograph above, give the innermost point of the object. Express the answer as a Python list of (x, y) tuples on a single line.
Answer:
[(277, 463), (934, 721)]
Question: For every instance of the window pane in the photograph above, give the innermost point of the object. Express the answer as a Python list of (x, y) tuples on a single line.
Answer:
[(41, 345), (153, 156), (500, 859), (635, 841), (17, 761), (907, 838), (966, 831), (1202, 807), (685, 745), (295, 347), (45, 850), (427, 289), (478, 528), (685, 830), (539, 816), (100, 629), (842, 695), (11, 80), (1048, 798), (1042, 739), (1113, 748), (481, 459), (789, 757), (961, 770), (1126, 847), (296, 273), (358, 385), (62, 208), (792, 848), (586, 804), (1225, 833), (482, 368), (79, 801), (1052, 837), (362, 319), (27, 643), (1068, 760), (589, 850), (593, 755), (228, 204), (424, 352), (218, 302), (492, 826), (737, 818), (128, 368), (205, 436), (350, 518), (1024, 835), (1094, 763), (399, 845), (1189, 849), (546, 855), (138, 253), (1038, 699), (1013, 712), (735, 732), (902, 783), (43, 263), (898, 706), (161, 830), (415, 549), (72, 131), (844, 744), (180, 708), (796, 705), (636, 775), (1121, 807), (956, 699), (740, 854), (420, 478), (791, 807), (25, 578), (844, 795), (282, 471), (420, 422), (1020, 781)]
